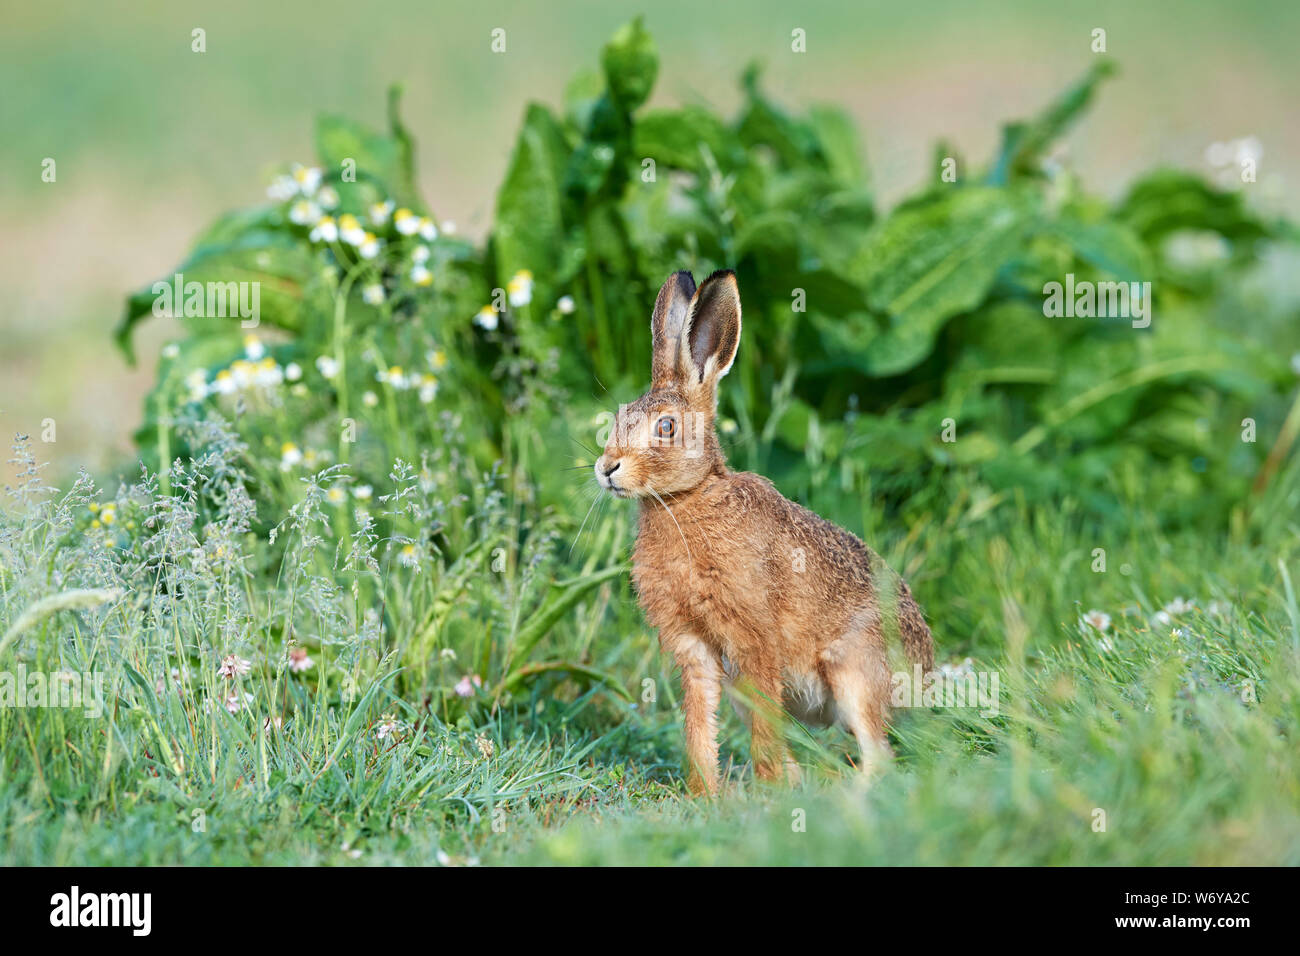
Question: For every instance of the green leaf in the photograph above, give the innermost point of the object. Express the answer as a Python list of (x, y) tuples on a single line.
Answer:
[(386, 160), (277, 266), (1109, 246), (678, 138), (839, 144), (927, 264), (529, 231), (1024, 144), (631, 65), (1170, 200)]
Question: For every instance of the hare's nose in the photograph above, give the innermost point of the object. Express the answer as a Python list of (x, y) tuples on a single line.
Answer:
[(610, 469)]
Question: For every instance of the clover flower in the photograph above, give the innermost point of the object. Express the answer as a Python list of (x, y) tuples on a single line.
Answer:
[(234, 666), (1099, 621), (468, 685)]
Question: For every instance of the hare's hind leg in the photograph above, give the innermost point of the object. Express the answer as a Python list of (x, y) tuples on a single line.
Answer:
[(857, 673)]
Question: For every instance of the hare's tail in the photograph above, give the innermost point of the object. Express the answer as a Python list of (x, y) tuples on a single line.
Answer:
[(918, 642)]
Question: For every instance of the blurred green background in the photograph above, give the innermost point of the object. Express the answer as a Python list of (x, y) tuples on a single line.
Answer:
[(153, 141)]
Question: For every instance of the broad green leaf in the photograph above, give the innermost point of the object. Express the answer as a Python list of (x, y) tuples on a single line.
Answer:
[(268, 268), (929, 263), (679, 137), (529, 231), (631, 65), (839, 144)]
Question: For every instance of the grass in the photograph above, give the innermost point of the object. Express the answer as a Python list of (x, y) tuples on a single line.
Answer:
[(1167, 740)]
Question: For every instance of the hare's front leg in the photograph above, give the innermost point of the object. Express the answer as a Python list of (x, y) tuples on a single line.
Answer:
[(701, 670)]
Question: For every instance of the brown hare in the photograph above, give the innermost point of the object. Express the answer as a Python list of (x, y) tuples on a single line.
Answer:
[(744, 585)]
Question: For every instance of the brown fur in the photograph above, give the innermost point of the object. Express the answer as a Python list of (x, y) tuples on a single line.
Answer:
[(744, 585)]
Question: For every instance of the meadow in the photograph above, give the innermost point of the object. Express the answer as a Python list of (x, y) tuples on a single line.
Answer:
[(362, 603)]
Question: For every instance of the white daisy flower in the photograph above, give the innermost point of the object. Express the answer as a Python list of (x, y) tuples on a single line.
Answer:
[(566, 305), (370, 399), (369, 247), (486, 318), (307, 179), (409, 557), (267, 374), (293, 372), (171, 350), (437, 359), (1178, 607), (304, 213), (328, 197), (448, 227), (372, 294), (363, 492), (327, 366), (428, 388), (392, 375), (420, 254), (520, 288), (253, 347), (282, 189), (336, 495), (428, 230), (350, 230), (197, 383), (420, 275), (380, 211), (325, 230), (290, 456), (223, 384), (406, 222)]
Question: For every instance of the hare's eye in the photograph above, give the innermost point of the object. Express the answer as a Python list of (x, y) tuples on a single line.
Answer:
[(665, 427)]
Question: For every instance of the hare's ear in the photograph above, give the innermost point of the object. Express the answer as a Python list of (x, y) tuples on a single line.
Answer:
[(666, 327), (712, 330)]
